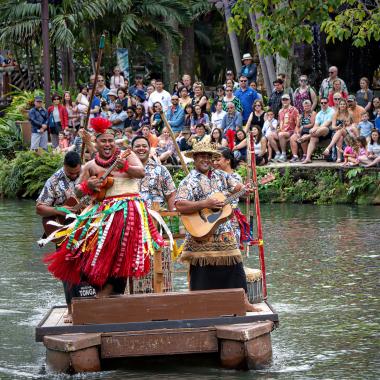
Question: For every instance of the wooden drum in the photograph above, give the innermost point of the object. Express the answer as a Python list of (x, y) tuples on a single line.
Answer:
[(254, 285)]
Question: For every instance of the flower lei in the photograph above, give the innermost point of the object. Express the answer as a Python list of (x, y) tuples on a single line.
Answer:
[(107, 163)]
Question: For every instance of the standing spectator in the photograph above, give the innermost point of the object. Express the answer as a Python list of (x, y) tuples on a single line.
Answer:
[(95, 104), (139, 85), (58, 119), (184, 98), (186, 80), (365, 126), (249, 68), (304, 92), (102, 88), (219, 96), (175, 115), (230, 80), (231, 98), (253, 85), (38, 118), (118, 117), (160, 95), (149, 91), (247, 97), (364, 96), (232, 120), (302, 132), (327, 83), (355, 110), (287, 90), (274, 101), (72, 111), (336, 89), (117, 80), (288, 118), (257, 116), (270, 126), (218, 115), (321, 130), (82, 102), (199, 97)]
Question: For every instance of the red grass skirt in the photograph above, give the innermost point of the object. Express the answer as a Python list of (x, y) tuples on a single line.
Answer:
[(113, 238)]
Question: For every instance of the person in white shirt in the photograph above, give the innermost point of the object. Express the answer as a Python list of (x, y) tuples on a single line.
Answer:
[(117, 80), (218, 115), (160, 95)]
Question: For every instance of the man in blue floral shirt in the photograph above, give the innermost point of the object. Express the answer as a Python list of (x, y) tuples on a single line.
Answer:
[(215, 260)]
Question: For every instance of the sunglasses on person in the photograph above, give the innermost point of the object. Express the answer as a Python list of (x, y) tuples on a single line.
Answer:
[(323, 103), (336, 98), (257, 105), (56, 99), (303, 80), (331, 72), (243, 80)]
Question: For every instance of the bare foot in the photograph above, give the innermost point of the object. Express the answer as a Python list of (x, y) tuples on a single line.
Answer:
[(249, 306), (306, 161), (68, 318)]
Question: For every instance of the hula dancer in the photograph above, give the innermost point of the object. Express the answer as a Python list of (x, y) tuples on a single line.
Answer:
[(111, 240), (215, 260)]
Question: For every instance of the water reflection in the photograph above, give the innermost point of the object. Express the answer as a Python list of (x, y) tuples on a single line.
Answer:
[(322, 276)]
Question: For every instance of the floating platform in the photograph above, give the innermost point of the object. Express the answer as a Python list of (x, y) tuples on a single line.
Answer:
[(163, 324)]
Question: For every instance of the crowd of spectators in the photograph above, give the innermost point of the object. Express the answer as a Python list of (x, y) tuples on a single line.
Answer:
[(287, 125)]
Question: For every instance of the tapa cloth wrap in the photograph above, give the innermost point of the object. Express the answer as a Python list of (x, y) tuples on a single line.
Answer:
[(113, 238)]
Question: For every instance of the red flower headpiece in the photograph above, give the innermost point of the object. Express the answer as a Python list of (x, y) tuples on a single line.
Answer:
[(230, 135), (100, 125)]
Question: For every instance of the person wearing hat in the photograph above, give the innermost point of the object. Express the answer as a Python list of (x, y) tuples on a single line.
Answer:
[(139, 85), (141, 99), (288, 118), (249, 68), (116, 245), (38, 118), (215, 260), (112, 96), (355, 110), (274, 101), (183, 139)]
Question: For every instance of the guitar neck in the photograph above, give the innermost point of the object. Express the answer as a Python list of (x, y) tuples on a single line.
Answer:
[(108, 171), (233, 197)]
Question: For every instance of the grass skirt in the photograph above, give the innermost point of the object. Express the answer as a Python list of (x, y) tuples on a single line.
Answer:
[(113, 238)]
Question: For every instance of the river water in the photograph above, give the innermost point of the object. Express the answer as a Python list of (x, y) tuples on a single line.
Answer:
[(322, 269)]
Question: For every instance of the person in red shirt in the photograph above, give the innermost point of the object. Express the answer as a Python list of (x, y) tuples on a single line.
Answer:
[(58, 119), (288, 121)]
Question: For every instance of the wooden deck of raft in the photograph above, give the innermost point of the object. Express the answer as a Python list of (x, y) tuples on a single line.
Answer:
[(159, 324)]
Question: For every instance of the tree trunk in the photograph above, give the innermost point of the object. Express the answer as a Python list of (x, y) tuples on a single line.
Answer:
[(171, 61), (186, 58), (67, 68), (233, 38), (285, 66)]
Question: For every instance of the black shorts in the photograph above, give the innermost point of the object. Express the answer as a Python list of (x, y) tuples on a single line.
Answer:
[(327, 137)]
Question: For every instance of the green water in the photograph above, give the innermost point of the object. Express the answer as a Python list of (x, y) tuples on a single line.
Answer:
[(322, 265)]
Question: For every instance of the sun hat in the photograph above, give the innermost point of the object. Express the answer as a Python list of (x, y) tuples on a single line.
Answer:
[(141, 94), (246, 56), (203, 147), (113, 92)]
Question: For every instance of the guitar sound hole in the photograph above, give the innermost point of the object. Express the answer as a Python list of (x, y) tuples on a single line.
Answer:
[(214, 217)]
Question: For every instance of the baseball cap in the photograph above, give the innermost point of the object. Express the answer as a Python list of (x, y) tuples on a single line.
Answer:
[(351, 97), (285, 96), (38, 99)]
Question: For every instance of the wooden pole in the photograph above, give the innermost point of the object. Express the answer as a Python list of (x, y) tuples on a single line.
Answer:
[(45, 42), (167, 125), (260, 241), (100, 54)]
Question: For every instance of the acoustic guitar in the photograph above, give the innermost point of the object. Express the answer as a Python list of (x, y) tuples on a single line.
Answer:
[(204, 222)]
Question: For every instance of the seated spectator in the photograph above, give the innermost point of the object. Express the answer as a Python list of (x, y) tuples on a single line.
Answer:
[(336, 89), (112, 96), (141, 99), (117, 80), (216, 138), (240, 148), (288, 119), (183, 139), (270, 126), (118, 117), (105, 112), (321, 130), (200, 135), (356, 111), (374, 145), (341, 125), (375, 109), (152, 138), (231, 98), (200, 99), (122, 95), (200, 117), (176, 87), (63, 143), (165, 150), (184, 97), (156, 121), (130, 121), (219, 96), (302, 132), (336, 99), (377, 120), (327, 83), (304, 92), (351, 152), (138, 86), (230, 81), (141, 119), (232, 120), (257, 117), (189, 118), (253, 85), (260, 146), (365, 126), (217, 116), (364, 96), (175, 115)]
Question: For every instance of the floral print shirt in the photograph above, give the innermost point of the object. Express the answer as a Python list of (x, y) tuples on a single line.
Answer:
[(157, 184), (57, 189), (197, 187)]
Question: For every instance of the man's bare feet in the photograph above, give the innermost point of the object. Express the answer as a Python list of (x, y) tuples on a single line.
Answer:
[(249, 306), (68, 318), (306, 161)]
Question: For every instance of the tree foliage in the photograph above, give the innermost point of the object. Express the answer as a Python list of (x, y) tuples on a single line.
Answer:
[(285, 23)]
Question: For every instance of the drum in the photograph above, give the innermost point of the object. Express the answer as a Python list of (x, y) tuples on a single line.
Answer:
[(254, 285)]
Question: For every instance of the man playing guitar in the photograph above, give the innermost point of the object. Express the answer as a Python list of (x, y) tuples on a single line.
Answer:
[(215, 260)]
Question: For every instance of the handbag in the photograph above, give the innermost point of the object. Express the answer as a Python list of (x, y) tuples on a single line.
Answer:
[(52, 125)]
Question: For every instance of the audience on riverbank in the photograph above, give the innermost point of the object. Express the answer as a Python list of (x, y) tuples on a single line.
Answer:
[(287, 125)]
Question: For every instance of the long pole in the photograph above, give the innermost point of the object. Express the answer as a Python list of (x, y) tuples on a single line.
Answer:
[(260, 241), (167, 125), (45, 44), (100, 54)]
